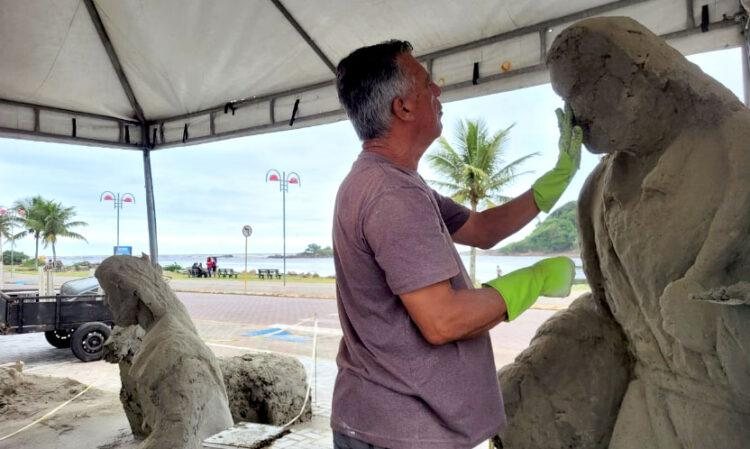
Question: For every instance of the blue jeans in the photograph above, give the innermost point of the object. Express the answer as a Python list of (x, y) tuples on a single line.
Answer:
[(341, 441)]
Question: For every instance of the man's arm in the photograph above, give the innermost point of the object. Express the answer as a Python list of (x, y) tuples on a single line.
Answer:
[(444, 315), (485, 229)]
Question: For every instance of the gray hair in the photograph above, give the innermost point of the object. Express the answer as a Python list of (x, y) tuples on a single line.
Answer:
[(367, 81)]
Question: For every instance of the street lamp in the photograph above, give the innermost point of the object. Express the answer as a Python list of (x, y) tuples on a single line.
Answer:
[(13, 214), (284, 179), (119, 199)]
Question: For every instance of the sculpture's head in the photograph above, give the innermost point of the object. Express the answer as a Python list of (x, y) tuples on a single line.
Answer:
[(136, 292), (629, 90)]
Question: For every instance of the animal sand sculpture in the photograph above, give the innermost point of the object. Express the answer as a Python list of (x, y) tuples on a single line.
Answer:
[(658, 355), (175, 391)]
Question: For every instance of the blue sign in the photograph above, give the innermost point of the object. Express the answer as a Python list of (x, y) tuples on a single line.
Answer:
[(123, 250)]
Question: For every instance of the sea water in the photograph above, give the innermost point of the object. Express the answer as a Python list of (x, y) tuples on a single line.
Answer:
[(487, 266)]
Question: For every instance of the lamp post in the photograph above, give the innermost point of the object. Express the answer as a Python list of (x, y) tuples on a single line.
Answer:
[(119, 199), (13, 215), (284, 179)]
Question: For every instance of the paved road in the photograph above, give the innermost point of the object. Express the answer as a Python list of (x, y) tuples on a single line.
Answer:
[(228, 321)]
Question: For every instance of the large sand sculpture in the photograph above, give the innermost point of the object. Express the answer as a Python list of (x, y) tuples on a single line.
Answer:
[(173, 391), (658, 355)]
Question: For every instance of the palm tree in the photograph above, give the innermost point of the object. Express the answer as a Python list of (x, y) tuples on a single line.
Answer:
[(474, 169), (33, 222), (57, 223)]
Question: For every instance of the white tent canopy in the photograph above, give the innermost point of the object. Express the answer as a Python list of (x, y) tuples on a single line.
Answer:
[(146, 75)]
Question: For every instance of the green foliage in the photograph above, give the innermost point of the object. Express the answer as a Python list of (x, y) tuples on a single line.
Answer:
[(474, 169), (174, 267), (558, 233), (18, 257), (82, 266), (44, 220), (315, 250)]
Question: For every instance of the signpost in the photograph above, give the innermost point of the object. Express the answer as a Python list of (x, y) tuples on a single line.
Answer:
[(247, 231)]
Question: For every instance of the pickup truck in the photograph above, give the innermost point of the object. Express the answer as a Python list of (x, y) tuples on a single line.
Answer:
[(76, 318)]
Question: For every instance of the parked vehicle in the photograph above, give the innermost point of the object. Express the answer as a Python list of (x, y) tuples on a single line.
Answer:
[(76, 318)]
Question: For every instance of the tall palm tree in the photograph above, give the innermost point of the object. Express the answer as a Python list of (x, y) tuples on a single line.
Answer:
[(474, 169), (33, 222), (4, 233), (57, 223)]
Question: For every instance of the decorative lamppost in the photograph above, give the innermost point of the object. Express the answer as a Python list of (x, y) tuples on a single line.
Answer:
[(119, 199), (13, 214), (284, 179)]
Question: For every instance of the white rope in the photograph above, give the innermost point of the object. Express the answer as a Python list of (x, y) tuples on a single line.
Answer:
[(309, 384), (50, 413)]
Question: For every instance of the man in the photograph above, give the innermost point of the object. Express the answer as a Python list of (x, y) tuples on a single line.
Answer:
[(416, 368)]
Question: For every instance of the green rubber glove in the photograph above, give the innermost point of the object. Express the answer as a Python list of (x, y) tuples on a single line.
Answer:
[(521, 288), (549, 188)]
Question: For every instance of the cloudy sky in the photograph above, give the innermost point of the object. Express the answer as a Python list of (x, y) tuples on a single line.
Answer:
[(205, 193)]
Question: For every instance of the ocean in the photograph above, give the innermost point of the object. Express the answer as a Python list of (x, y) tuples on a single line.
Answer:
[(487, 266)]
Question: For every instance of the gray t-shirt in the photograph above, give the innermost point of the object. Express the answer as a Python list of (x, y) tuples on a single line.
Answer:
[(392, 235)]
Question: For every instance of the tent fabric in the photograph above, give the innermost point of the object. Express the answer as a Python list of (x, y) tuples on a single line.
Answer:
[(187, 59)]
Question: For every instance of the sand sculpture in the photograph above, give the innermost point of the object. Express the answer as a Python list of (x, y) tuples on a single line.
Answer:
[(172, 387), (658, 355), (266, 388)]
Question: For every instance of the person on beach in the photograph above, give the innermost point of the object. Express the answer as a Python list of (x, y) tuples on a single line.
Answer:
[(210, 266), (415, 364)]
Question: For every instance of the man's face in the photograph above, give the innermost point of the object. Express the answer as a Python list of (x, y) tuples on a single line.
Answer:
[(422, 99)]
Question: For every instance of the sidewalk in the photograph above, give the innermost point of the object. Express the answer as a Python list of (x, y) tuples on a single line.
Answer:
[(275, 288)]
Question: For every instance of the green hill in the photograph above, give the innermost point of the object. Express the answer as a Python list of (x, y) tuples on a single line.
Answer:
[(557, 234)]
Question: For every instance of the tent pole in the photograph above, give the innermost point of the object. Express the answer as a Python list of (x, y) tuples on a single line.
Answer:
[(746, 65), (150, 208)]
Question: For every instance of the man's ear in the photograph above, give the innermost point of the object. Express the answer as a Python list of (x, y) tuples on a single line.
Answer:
[(403, 109)]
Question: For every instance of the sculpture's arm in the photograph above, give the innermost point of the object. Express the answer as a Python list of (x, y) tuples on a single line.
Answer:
[(567, 386)]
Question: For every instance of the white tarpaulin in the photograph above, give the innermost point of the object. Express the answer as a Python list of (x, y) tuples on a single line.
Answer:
[(186, 62)]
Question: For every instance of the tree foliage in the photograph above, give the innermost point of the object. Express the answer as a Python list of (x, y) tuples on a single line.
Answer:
[(315, 250), (18, 257), (558, 233), (474, 168), (45, 221)]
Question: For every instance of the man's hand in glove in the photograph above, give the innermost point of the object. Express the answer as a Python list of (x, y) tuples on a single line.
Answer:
[(521, 288), (548, 189)]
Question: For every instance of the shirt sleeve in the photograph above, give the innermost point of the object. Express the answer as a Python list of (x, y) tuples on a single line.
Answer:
[(406, 234), (454, 215)]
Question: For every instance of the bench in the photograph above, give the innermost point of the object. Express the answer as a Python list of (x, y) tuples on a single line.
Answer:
[(263, 272), (274, 272), (227, 273)]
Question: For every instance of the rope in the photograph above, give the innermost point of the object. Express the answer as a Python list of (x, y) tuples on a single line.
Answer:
[(309, 384), (50, 413)]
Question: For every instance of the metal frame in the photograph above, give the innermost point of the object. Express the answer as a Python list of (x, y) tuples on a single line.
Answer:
[(104, 37), (146, 144), (428, 59), (306, 37)]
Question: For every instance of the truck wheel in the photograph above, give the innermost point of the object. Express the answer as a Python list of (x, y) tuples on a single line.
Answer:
[(58, 339), (88, 340)]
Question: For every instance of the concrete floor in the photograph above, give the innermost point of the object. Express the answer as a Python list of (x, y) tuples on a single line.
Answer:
[(223, 321)]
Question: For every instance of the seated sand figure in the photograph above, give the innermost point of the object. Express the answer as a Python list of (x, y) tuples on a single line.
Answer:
[(179, 390), (658, 355)]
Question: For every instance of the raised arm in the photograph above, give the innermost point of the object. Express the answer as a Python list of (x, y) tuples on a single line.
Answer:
[(485, 229)]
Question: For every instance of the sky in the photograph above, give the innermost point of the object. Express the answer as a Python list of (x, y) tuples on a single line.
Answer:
[(205, 194)]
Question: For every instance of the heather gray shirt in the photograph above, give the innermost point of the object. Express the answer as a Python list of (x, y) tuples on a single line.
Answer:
[(392, 235)]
